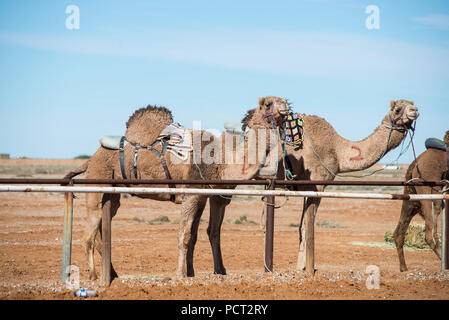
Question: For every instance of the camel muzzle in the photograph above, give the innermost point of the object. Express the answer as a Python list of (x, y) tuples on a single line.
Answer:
[(412, 115)]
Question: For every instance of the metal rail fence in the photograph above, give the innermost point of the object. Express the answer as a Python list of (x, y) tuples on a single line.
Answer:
[(122, 186)]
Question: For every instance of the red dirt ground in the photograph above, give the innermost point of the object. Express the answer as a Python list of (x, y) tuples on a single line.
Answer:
[(31, 251)]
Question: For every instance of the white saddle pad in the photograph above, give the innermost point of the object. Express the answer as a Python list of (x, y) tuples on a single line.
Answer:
[(111, 142), (179, 140)]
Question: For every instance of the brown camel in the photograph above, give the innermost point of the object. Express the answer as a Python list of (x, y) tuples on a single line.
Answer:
[(431, 165), (143, 128), (325, 154)]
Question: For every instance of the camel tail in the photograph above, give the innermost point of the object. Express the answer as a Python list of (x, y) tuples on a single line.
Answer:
[(81, 169)]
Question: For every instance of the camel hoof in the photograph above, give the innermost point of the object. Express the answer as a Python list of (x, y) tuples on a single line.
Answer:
[(180, 276), (220, 272)]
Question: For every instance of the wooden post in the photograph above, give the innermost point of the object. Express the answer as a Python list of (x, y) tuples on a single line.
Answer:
[(106, 238), (67, 236), (445, 237), (269, 231), (310, 237)]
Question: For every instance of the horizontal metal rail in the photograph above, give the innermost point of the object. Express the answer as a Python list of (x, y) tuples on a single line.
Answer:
[(219, 182), (225, 192)]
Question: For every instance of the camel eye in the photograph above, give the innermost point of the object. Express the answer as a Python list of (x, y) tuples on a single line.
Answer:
[(397, 110), (269, 104)]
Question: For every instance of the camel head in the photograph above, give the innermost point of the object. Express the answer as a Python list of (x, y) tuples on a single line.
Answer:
[(402, 114), (273, 108)]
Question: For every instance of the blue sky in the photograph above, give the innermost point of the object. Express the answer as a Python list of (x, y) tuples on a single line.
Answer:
[(61, 89)]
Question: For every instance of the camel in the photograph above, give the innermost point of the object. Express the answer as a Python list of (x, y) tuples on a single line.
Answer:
[(325, 154), (431, 165), (143, 127)]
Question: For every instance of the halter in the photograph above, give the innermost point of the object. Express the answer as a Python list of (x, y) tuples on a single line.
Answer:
[(399, 117), (271, 114)]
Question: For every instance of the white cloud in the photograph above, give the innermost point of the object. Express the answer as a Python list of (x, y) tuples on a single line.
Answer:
[(298, 53), (440, 21)]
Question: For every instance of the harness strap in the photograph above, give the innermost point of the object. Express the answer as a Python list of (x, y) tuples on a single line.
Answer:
[(159, 155), (271, 114), (122, 157), (288, 165)]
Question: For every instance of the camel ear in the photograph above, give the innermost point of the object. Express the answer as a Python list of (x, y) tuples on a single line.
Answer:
[(392, 104), (412, 102), (261, 101)]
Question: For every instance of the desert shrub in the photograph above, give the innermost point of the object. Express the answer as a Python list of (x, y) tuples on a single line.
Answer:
[(415, 236), (241, 220), (323, 224), (328, 224), (157, 220), (83, 156)]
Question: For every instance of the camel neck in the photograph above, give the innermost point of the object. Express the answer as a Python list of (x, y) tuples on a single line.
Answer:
[(360, 155), (248, 155)]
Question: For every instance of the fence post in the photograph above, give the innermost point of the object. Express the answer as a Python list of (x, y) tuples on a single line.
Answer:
[(445, 237), (106, 238), (309, 221), (67, 235), (269, 230)]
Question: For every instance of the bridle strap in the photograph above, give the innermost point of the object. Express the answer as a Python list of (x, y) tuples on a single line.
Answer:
[(271, 114), (395, 120)]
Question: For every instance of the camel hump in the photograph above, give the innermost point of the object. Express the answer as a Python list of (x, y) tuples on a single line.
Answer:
[(145, 125), (434, 143)]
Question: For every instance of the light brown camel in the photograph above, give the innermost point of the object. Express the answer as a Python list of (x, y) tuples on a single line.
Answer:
[(325, 154), (431, 165), (143, 128)]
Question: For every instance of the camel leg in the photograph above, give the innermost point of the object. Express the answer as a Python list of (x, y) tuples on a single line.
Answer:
[(94, 206), (408, 211), (431, 211), (306, 256), (192, 209), (217, 211)]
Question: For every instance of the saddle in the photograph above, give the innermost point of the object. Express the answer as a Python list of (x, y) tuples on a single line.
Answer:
[(434, 143), (174, 138)]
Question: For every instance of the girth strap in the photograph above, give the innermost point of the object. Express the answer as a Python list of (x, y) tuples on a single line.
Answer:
[(137, 147), (122, 157)]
